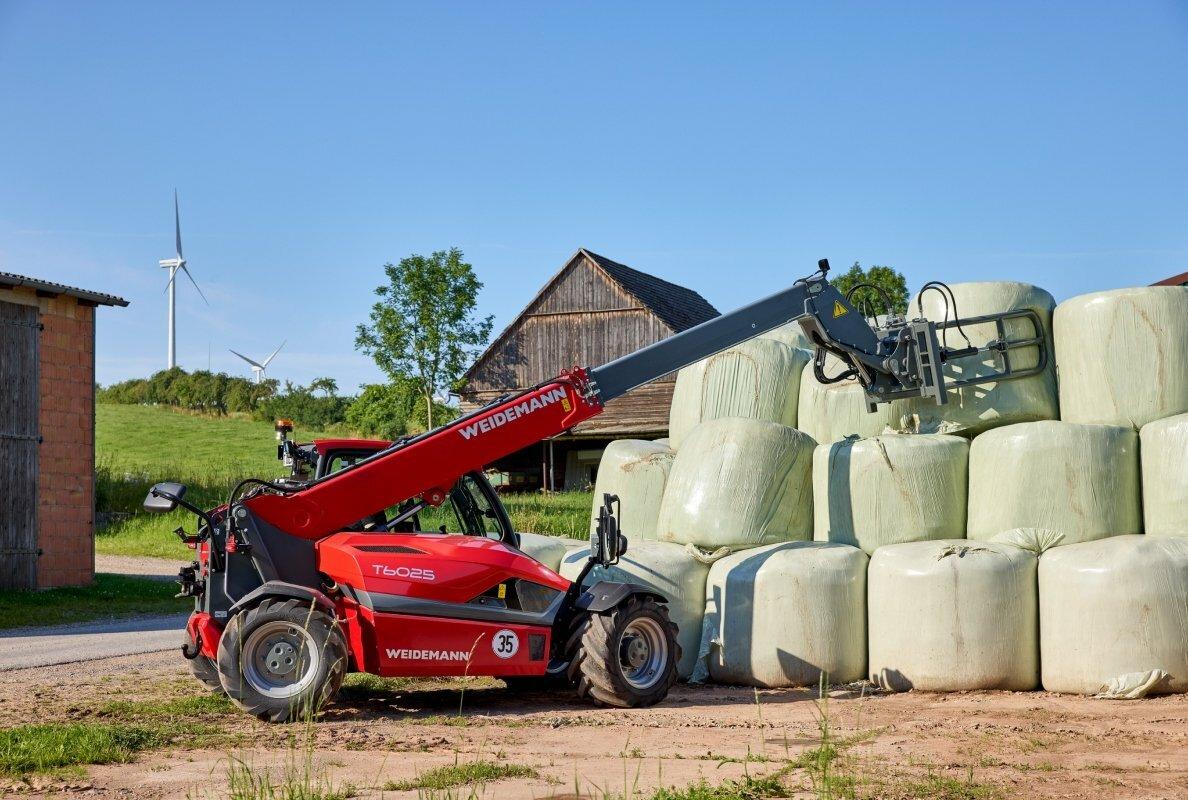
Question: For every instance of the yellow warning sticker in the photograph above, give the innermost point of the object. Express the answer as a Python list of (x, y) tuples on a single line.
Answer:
[(565, 406), (839, 310), (502, 592)]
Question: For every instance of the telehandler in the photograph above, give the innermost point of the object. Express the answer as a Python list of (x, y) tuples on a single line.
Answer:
[(300, 581)]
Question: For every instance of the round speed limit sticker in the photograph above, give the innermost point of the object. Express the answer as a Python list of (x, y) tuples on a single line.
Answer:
[(505, 644)]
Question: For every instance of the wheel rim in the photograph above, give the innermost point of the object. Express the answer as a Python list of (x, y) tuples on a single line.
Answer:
[(643, 653), (280, 659)]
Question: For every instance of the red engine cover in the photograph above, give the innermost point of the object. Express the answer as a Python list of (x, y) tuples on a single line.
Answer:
[(432, 566), (446, 568)]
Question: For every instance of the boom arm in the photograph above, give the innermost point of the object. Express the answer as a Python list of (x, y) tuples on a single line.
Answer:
[(901, 360)]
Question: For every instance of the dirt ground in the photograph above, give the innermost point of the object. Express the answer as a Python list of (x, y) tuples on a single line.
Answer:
[(1019, 745)]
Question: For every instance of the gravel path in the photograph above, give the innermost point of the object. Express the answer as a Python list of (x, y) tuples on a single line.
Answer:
[(139, 566)]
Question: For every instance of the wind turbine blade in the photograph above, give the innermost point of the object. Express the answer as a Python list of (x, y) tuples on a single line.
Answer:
[(274, 352), (177, 225), (245, 358), (191, 277), (168, 283)]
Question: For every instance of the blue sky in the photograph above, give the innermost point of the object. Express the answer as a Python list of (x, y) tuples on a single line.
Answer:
[(720, 148)]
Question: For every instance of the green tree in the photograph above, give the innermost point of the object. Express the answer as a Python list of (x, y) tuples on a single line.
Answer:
[(867, 300), (327, 385), (424, 325)]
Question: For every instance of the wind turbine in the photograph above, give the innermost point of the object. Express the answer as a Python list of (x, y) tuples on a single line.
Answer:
[(173, 265), (258, 367)]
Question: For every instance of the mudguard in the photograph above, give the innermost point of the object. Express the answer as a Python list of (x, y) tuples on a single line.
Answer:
[(603, 596), (283, 590)]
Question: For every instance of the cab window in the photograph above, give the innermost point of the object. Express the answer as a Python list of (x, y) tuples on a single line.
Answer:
[(468, 510)]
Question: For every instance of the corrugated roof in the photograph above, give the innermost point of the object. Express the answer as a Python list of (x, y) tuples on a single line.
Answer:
[(681, 308), (10, 280)]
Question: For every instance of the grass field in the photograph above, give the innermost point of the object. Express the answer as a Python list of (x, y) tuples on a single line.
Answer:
[(138, 446), (109, 596)]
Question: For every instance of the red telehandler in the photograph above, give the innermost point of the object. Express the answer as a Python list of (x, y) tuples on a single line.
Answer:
[(298, 582)]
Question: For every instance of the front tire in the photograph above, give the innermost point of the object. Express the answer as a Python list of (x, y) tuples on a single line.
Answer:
[(626, 658), (207, 672), (282, 660)]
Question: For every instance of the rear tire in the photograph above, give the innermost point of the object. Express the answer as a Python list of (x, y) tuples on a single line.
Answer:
[(282, 660), (626, 658)]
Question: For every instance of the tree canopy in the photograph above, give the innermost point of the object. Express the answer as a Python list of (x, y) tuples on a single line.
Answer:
[(867, 300), (424, 325)]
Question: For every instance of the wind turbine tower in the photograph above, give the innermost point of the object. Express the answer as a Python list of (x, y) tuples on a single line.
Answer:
[(174, 265), (259, 367)]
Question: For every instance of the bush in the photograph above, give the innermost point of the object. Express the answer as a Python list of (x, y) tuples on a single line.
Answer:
[(390, 411)]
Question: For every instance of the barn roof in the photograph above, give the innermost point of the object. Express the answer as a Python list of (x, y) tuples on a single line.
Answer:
[(10, 280), (679, 308), (1175, 280)]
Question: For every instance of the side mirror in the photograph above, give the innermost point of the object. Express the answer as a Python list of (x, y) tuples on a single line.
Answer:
[(163, 498), (607, 544)]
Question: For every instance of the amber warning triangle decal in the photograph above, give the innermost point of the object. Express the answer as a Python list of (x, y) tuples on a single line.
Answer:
[(839, 310)]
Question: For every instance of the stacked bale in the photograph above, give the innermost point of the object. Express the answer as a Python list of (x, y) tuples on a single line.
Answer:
[(759, 379), (951, 615), (829, 412), (1080, 481), (889, 490), (1114, 607), (636, 472), (672, 571), (1164, 452), (791, 334), (739, 483), (548, 550), (973, 409), (784, 614), (1122, 355)]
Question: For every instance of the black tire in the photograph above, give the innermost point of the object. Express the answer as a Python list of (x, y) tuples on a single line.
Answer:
[(282, 660), (207, 672), (606, 665)]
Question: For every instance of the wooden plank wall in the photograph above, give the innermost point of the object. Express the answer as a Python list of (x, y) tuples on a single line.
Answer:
[(19, 341), (581, 318)]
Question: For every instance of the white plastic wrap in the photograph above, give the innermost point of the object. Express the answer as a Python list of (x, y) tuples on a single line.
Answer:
[(1164, 454), (636, 471), (890, 489), (952, 616), (781, 615), (1112, 607), (1080, 481), (548, 550), (973, 409), (739, 482), (791, 334), (1122, 355), (829, 412), (758, 379), (671, 571)]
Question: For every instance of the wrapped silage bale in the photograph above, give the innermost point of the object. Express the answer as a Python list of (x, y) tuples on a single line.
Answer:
[(783, 614), (739, 482), (829, 412), (1122, 355), (1081, 481), (890, 489), (677, 573), (636, 472), (953, 616), (1111, 608), (1163, 449), (791, 334), (758, 379), (548, 550), (972, 409)]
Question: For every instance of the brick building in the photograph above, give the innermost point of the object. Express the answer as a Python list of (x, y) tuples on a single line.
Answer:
[(47, 432)]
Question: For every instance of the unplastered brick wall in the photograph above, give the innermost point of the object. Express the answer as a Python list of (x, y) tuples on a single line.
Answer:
[(66, 480)]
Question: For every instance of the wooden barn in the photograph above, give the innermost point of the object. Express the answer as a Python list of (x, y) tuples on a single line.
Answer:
[(592, 311)]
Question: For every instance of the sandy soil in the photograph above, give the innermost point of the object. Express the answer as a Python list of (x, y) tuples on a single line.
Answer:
[(1027, 745)]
